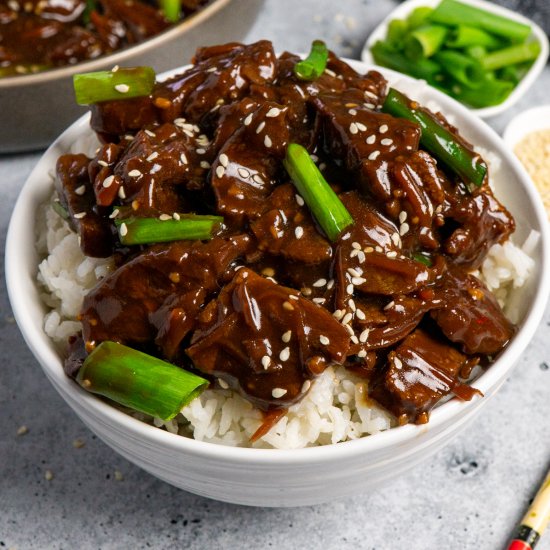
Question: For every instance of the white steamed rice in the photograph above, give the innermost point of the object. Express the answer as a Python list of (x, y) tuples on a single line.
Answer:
[(335, 409)]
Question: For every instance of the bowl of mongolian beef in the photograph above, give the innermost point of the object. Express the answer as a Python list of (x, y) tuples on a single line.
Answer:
[(276, 280)]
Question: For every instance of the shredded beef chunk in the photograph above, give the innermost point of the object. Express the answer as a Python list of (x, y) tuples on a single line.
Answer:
[(266, 341)]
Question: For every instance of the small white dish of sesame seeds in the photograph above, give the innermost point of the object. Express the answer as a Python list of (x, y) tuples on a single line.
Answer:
[(404, 9)]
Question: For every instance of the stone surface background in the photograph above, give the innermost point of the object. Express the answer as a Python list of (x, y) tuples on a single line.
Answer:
[(469, 495)]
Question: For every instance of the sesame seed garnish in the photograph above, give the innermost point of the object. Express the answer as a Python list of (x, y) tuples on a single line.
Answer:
[(306, 291), (391, 254), (361, 353), (404, 228), (389, 306), (352, 112), (371, 139), (278, 392), (378, 248), (266, 361), (370, 105), (244, 173), (383, 129), (347, 318), (273, 112), (223, 384), (397, 362), (201, 151), (353, 253), (338, 314), (353, 128), (356, 245), (22, 430), (122, 88), (330, 284), (267, 141), (285, 354), (152, 134), (355, 272), (324, 340), (361, 256), (102, 163), (306, 385), (152, 156), (386, 141), (395, 239), (80, 190), (349, 289), (165, 217), (79, 215), (319, 283), (363, 337), (361, 127), (114, 214), (360, 314), (402, 216), (299, 200), (288, 306), (293, 297), (260, 127), (220, 171), (319, 301), (258, 179), (374, 155), (248, 119), (351, 304), (48, 475), (349, 329), (286, 336), (299, 232), (357, 281), (134, 173), (176, 216), (224, 160), (107, 182), (123, 230), (204, 164), (183, 158)]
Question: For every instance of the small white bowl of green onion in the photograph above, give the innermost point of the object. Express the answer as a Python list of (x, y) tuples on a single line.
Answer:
[(483, 55)]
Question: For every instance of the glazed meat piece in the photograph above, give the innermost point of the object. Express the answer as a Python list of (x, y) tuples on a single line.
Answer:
[(156, 296), (419, 372), (76, 195), (266, 341), (470, 315)]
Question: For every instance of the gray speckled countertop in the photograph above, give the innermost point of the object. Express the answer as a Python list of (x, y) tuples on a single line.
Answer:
[(469, 495)]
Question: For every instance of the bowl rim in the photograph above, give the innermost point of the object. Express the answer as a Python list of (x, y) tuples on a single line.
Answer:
[(42, 348), (520, 89), (530, 120), (118, 56)]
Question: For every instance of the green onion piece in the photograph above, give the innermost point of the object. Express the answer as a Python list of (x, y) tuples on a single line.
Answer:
[(476, 52), (423, 259), (491, 92), (397, 31), (109, 85), (424, 41), (437, 139), (323, 202), (426, 69), (60, 210), (139, 381), (464, 69), (464, 36), (189, 227), (511, 55), (91, 5), (452, 13), (419, 16), (513, 73), (171, 10), (313, 66)]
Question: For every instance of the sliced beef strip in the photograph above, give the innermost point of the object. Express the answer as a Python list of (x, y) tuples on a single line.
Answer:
[(419, 372), (266, 341)]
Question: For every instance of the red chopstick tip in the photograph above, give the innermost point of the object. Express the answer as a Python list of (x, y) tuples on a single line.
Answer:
[(519, 545)]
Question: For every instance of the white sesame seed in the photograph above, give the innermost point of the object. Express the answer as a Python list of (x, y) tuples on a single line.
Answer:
[(361, 353), (299, 232), (389, 306), (351, 304), (391, 254), (354, 253), (260, 127), (153, 156), (383, 129), (293, 297), (363, 337), (357, 281), (397, 362), (360, 314), (349, 289), (330, 284), (338, 314), (324, 340), (374, 155), (224, 160), (266, 361), (79, 215), (204, 164), (102, 163), (402, 216), (107, 182), (122, 88), (395, 239), (201, 151), (267, 141), (386, 141), (220, 171), (368, 249), (355, 272), (183, 158), (354, 339), (347, 318), (356, 245), (123, 230), (258, 179), (152, 134), (288, 306), (370, 105), (306, 385), (285, 354), (80, 190), (115, 69), (353, 128), (286, 336), (134, 173), (299, 200), (114, 213), (278, 392), (165, 217), (223, 384), (361, 127), (273, 112), (176, 216), (378, 248), (244, 173), (319, 301), (248, 119), (361, 256), (319, 283), (404, 228), (371, 139), (349, 329), (121, 192), (352, 112)]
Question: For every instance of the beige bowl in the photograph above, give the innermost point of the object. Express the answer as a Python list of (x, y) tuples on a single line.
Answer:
[(36, 108)]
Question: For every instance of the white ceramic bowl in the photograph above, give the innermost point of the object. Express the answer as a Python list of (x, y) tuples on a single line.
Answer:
[(273, 477), (531, 120), (403, 10)]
